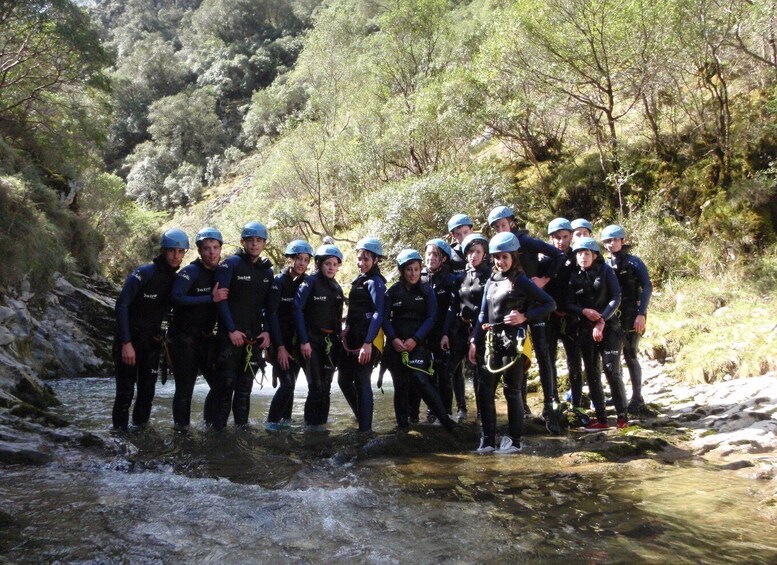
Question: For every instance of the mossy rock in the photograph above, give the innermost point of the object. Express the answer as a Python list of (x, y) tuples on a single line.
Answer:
[(24, 410), (40, 396)]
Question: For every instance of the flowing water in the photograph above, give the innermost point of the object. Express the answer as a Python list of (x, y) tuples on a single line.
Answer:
[(245, 496)]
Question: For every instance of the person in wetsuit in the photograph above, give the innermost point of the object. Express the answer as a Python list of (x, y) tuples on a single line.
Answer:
[(636, 290), (318, 313), (510, 301), (593, 298), (284, 351), (561, 326), (363, 325), (437, 274), (192, 343), (465, 306), (141, 308), (410, 312), (459, 227), (502, 219), (242, 324)]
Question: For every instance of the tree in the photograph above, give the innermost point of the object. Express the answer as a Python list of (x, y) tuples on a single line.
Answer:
[(50, 59), (596, 52)]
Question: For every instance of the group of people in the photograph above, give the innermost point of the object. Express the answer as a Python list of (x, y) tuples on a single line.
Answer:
[(486, 303)]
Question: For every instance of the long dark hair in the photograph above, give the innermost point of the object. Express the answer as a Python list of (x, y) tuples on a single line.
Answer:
[(516, 268)]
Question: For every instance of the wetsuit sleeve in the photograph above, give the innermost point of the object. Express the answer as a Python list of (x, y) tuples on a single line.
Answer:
[(543, 303), (644, 281), (129, 291), (572, 306), (303, 293), (555, 257), (377, 291), (453, 309), (181, 285), (477, 331), (454, 282), (431, 314), (273, 305), (613, 293), (224, 279), (388, 328)]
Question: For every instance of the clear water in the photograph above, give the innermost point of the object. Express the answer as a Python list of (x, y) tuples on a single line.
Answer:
[(251, 496)]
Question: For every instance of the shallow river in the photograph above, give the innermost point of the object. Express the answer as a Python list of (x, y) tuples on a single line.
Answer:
[(246, 496)]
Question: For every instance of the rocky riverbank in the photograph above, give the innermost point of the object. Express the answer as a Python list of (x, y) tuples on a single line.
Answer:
[(64, 333)]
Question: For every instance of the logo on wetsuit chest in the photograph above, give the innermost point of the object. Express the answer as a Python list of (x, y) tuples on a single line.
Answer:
[(203, 290), (150, 296), (289, 299), (243, 278), (320, 298)]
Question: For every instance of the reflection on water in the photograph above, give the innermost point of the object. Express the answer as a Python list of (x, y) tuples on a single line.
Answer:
[(250, 496)]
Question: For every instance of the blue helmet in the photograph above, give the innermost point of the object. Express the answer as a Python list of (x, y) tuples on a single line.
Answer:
[(559, 224), (208, 233), (613, 232), (174, 238), (498, 213), (254, 229), (582, 223), (504, 242), (298, 246), (371, 244), (442, 245), (472, 238), (329, 250), (407, 255), (459, 220), (586, 243)]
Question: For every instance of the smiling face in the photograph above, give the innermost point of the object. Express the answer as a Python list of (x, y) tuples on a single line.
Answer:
[(433, 257), (299, 264), (411, 272), (329, 267), (173, 257), (585, 258), (210, 252), (475, 255), (365, 261), (561, 239), (503, 261)]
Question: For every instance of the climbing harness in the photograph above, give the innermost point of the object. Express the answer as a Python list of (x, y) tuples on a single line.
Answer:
[(249, 364), (491, 346), (407, 363)]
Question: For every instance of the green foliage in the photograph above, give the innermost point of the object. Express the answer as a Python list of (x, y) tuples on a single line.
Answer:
[(129, 232), (40, 235)]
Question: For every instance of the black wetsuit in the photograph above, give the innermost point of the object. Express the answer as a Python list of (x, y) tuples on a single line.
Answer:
[(444, 284), (280, 310), (598, 288), (249, 288), (363, 322), (142, 305), (531, 248), (318, 311), (636, 290), (458, 261), (410, 313), (192, 343), (562, 327), (500, 297), (460, 322)]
